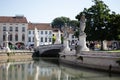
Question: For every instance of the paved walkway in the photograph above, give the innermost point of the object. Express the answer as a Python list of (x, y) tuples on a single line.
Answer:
[(93, 59), (92, 53), (16, 50)]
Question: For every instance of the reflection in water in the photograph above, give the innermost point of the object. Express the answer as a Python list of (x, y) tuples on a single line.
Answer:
[(36, 72), (48, 69)]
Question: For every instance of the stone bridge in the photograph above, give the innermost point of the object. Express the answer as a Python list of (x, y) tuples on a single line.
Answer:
[(48, 50)]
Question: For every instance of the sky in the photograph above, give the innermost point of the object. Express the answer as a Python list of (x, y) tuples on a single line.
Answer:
[(45, 11)]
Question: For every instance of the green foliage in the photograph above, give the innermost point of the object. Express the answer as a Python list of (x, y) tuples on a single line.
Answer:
[(74, 24), (62, 39), (59, 22), (97, 18), (100, 25), (114, 23)]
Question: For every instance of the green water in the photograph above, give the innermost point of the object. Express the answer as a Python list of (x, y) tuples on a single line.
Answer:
[(48, 69)]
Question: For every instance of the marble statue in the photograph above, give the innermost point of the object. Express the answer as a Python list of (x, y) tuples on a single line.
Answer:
[(58, 38), (36, 38), (65, 31), (82, 35), (6, 43), (82, 24), (66, 36)]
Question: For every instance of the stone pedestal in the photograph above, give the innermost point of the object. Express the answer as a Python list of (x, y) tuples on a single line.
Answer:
[(58, 41), (7, 47), (105, 45), (82, 43), (66, 46), (58, 38)]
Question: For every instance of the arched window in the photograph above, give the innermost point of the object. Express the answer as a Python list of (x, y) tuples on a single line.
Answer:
[(23, 37), (16, 37)]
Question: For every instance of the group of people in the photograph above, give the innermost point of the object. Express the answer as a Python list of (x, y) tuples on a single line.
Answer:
[(91, 45), (13, 47)]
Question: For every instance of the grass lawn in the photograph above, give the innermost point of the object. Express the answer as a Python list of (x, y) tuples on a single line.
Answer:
[(114, 51)]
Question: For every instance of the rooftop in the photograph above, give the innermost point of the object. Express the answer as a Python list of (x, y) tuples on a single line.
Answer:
[(39, 26), (11, 19)]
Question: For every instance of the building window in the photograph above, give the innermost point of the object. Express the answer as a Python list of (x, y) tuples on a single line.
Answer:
[(41, 39), (16, 37), (33, 32), (33, 39), (50, 40), (16, 29), (10, 37), (50, 32), (72, 36), (4, 37), (41, 32), (23, 29), (4, 28), (29, 32), (45, 32), (45, 39), (29, 39), (11, 29), (23, 37)]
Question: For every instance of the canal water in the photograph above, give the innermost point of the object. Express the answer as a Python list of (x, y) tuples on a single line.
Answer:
[(48, 69)]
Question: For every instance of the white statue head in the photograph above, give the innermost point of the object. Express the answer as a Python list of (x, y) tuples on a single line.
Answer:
[(83, 19)]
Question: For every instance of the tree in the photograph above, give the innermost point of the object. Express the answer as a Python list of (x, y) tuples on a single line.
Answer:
[(60, 22), (114, 23), (97, 21), (74, 24)]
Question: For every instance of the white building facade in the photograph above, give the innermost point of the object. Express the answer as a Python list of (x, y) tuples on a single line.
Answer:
[(44, 31), (17, 29)]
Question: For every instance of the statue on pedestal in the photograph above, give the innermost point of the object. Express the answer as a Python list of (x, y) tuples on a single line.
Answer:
[(66, 36), (58, 38), (36, 38), (6, 43), (82, 24), (82, 35)]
